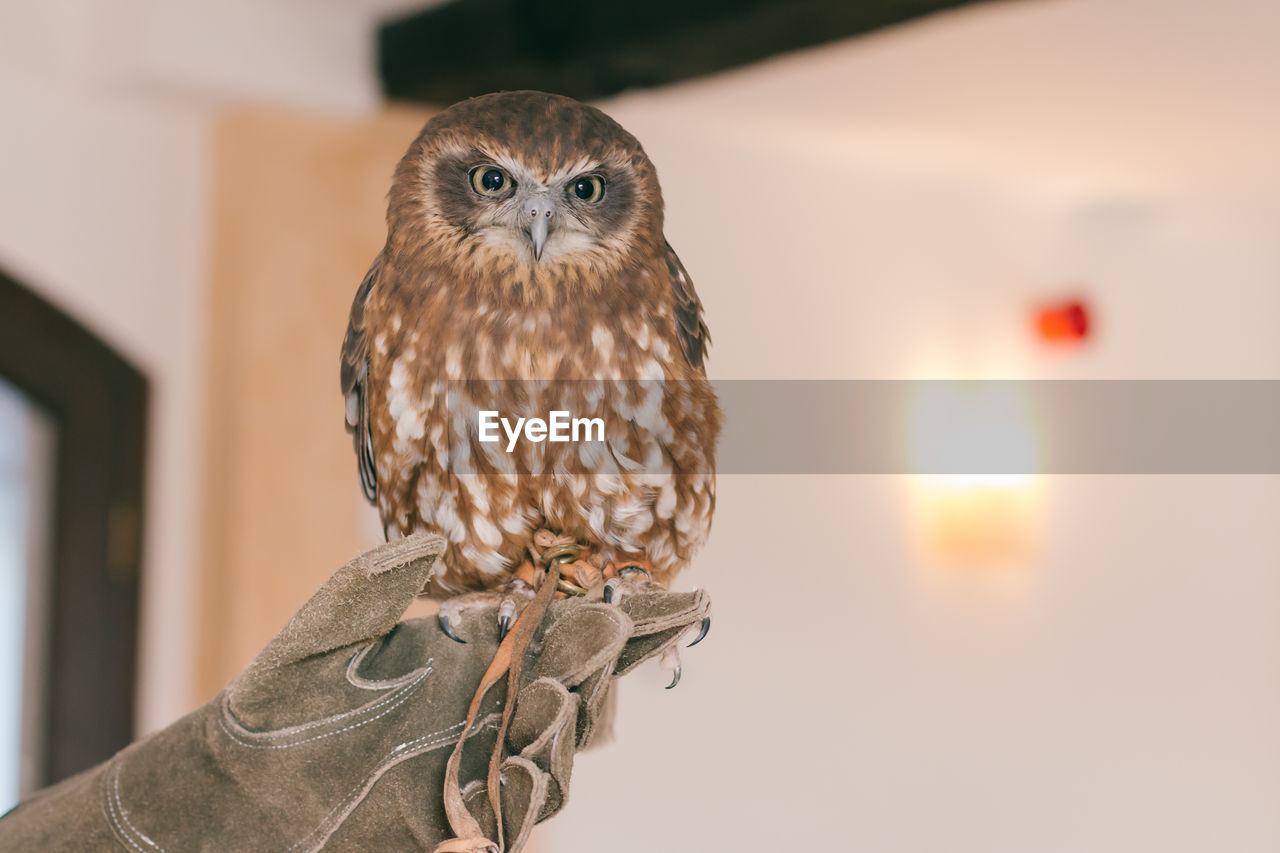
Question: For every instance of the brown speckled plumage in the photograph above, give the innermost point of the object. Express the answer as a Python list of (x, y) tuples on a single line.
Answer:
[(457, 295)]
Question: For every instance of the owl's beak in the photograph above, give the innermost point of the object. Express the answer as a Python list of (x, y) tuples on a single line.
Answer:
[(540, 210), (538, 232)]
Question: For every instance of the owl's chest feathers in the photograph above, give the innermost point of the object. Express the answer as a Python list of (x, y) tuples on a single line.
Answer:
[(450, 335), (620, 496), (532, 356)]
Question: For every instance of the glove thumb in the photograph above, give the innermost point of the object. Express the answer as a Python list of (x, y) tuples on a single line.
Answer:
[(362, 601)]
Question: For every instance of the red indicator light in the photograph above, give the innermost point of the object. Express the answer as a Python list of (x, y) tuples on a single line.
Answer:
[(1063, 322)]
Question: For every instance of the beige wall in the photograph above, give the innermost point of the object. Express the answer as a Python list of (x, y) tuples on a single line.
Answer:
[(297, 218), (1116, 690)]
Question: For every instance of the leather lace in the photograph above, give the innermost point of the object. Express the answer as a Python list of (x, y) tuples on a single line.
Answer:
[(550, 555)]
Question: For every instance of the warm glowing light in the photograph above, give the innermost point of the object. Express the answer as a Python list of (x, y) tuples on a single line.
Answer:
[(976, 454)]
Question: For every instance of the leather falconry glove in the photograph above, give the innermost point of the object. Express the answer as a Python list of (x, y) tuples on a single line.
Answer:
[(338, 734)]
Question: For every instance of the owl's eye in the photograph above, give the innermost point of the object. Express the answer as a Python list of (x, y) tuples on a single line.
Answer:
[(490, 181), (588, 188)]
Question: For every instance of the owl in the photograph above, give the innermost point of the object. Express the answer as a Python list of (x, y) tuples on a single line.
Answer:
[(525, 272)]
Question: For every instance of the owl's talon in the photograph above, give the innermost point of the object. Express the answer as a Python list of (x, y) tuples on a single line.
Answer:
[(670, 661), (702, 632), (611, 589), (518, 594), (502, 605), (446, 628)]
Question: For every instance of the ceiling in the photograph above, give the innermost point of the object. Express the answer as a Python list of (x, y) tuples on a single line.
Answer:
[(1096, 99), (590, 50), (1101, 100)]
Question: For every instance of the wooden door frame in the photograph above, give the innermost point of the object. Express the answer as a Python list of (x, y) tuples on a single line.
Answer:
[(98, 402)]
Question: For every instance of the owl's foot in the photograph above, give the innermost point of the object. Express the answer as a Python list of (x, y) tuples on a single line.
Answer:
[(636, 576), (632, 576), (510, 600), (516, 595)]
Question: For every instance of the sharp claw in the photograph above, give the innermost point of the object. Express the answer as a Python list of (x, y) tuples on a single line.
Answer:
[(508, 610), (610, 588), (702, 633), (447, 628), (675, 678)]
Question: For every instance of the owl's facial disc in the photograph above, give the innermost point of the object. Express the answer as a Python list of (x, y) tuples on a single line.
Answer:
[(542, 217)]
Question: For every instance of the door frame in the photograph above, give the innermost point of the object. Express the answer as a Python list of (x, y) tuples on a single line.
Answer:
[(98, 402)]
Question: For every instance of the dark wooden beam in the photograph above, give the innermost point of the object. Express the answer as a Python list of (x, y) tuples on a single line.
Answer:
[(590, 49)]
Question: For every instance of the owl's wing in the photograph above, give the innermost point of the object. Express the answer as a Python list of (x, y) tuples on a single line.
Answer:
[(355, 376), (692, 328)]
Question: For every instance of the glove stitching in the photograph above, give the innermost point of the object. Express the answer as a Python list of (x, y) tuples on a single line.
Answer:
[(403, 752), (400, 696), (410, 744), (424, 672), (368, 684), (440, 738), (119, 818)]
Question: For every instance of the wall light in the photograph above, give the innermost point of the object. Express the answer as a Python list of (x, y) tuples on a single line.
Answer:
[(975, 454)]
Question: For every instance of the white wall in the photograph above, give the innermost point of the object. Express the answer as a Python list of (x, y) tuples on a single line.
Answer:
[(884, 208), (102, 212), (105, 115), (892, 209)]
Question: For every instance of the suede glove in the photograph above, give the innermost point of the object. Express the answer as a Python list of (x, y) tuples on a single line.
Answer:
[(337, 734)]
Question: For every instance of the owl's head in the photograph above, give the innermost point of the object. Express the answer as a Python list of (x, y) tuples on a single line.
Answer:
[(529, 184)]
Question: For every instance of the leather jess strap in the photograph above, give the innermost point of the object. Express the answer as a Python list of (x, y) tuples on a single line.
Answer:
[(508, 660)]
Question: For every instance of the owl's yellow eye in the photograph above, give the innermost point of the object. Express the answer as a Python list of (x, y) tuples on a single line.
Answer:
[(588, 188), (490, 181)]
